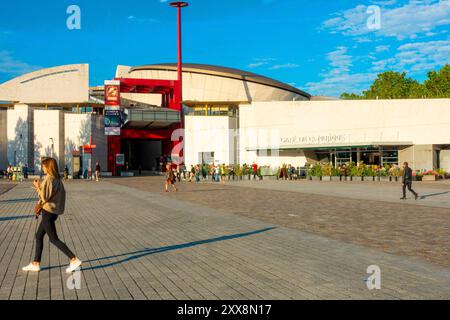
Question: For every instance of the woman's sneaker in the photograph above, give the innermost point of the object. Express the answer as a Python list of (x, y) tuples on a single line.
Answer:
[(74, 265), (32, 268)]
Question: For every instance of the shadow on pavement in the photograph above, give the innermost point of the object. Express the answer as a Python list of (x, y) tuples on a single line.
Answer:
[(142, 253), (19, 200), (434, 195), (3, 219)]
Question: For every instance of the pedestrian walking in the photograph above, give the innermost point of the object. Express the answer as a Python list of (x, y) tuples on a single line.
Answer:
[(197, 173), (97, 171), (407, 181), (191, 173), (25, 171), (66, 173), (51, 205), (255, 170), (179, 172), (283, 172), (183, 168), (170, 178), (217, 173), (222, 173), (9, 172)]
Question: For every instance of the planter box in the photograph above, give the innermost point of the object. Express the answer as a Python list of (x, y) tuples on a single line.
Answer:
[(327, 178), (370, 179), (429, 178), (314, 178), (385, 179), (355, 179)]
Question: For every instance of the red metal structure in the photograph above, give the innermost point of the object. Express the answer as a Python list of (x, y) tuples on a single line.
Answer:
[(171, 91), (179, 5), (171, 99)]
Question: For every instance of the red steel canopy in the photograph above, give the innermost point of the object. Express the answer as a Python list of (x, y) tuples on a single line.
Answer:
[(169, 89)]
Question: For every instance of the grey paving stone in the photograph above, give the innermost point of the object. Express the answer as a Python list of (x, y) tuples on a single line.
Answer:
[(137, 244)]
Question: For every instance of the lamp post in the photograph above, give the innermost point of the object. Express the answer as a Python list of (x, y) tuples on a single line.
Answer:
[(179, 5)]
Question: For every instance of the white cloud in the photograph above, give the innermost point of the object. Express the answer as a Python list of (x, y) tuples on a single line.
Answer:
[(141, 20), (338, 78), (269, 63), (382, 48), (12, 66), (417, 17), (256, 64), (259, 62), (284, 66), (417, 57)]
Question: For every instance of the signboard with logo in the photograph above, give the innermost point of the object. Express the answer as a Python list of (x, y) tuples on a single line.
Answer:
[(113, 122), (120, 159), (112, 93)]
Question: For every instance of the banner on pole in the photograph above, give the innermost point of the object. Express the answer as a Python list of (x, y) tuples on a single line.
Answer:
[(112, 93), (113, 122)]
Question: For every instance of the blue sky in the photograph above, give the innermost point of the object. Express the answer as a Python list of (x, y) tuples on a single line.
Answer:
[(324, 47)]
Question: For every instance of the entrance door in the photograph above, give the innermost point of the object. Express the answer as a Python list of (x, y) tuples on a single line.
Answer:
[(141, 153)]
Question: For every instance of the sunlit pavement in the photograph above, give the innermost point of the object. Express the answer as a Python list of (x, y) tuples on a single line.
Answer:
[(202, 243)]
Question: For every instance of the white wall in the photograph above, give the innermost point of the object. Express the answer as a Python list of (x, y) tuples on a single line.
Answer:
[(19, 135), (306, 124), (445, 160), (63, 84), (48, 125), (209, 134), (315, 122), (78, 129)]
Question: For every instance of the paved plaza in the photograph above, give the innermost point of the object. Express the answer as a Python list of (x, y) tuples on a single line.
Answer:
[(242, 240)]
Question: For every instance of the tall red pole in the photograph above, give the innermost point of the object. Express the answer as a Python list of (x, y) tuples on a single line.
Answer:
[(180, 57), (179, 6), (179, 153)]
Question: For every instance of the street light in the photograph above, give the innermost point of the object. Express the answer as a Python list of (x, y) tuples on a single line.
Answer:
[(179, 5)]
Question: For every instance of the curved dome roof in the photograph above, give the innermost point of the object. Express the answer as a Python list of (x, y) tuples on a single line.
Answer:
[(223, 72)]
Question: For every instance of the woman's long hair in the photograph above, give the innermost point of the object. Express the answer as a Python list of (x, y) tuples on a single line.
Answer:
[(52, 167)]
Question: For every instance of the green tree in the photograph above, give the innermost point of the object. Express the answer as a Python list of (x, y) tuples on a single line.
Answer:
[(438, 83), (351, 96), (393, 85)]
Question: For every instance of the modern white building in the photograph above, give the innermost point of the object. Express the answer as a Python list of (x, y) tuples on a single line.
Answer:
[(48, 113), (231, 117)]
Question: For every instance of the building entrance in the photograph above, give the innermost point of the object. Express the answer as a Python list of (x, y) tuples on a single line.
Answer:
[(142, 154)]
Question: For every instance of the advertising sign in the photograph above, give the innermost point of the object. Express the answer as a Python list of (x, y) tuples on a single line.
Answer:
[(120, 159), (112, 93), (112, 122)]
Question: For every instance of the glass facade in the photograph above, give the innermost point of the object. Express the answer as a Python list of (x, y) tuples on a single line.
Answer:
[(381, 156), (214, 110)]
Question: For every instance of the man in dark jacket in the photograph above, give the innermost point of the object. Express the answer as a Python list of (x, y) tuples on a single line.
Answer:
[(407, 181)]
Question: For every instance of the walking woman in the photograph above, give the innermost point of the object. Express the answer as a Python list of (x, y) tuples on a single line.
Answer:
[(170, 178), (52, 199)]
